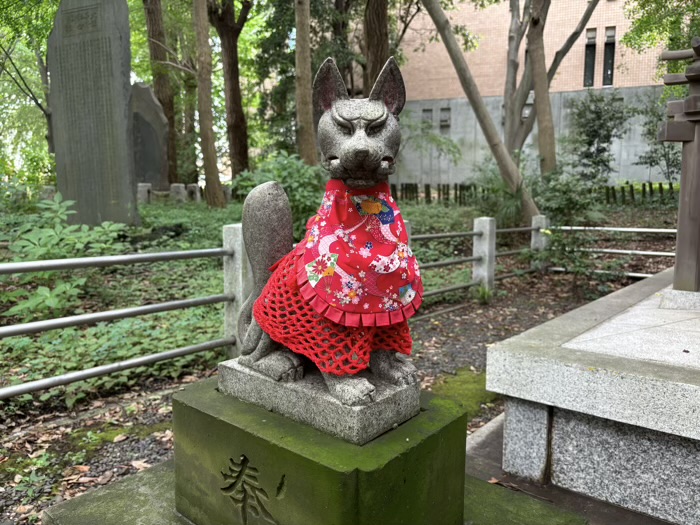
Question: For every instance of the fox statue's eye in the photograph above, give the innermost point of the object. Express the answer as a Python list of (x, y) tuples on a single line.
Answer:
[(374, 129), (345, 126)]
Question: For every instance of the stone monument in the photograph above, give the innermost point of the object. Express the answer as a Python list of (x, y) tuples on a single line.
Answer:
[(89, 60), (150, 136), (605, 400)]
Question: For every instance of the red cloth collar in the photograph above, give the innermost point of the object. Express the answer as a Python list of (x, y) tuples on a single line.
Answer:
[(357, 268)]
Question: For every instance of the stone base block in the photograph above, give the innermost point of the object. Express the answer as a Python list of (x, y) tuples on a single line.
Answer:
[(640, 469), (237, 463), (526, 441), (146, 498), (308, 401)]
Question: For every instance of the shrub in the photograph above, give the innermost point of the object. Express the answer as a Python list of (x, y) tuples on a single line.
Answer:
[(51, 237), (303, 184), (596, 120)]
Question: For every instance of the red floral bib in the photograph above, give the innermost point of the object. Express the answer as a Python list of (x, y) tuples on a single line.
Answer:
[(356, 268)]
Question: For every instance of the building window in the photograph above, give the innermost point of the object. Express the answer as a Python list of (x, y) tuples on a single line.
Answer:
[(589, 63), (445, 117), (427, 118), (609, 56)]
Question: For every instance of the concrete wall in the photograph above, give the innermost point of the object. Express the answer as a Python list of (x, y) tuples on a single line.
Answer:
[(429, 73), (415, 165)]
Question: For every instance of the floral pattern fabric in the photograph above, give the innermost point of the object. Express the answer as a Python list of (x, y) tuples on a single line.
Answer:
[(355, 266)]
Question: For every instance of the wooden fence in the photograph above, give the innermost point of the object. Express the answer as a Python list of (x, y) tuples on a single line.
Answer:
[(467, 194)]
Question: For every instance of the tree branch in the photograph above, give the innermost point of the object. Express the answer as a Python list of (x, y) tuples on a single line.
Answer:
[(243, 14), (181, 67), (407, 18), (526, 83), (27, 90), (564, 49)]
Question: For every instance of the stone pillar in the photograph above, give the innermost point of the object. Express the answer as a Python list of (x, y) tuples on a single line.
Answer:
[(143, 192), (484, 247), (194, 193), (228, 191), (178, 193), (526, 439), (238, 281), (539, 238), (89, 59)]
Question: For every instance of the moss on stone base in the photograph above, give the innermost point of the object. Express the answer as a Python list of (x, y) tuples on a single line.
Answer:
[(486, 504), (467, 388)]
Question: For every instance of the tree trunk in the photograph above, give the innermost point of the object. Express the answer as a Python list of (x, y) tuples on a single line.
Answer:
[(161, 80), (518, 25), (189, 133), (339, 27), (509, 171), (306, 138), (223, 18), (376, 25), (213, 192), (518, 134), (545, 124), (44, 73)]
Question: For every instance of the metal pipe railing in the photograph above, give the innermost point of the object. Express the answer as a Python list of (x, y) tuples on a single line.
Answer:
[(519, 229), (627, 252), (80, 375), (109, 260), (448, 289), (435, 236), (514, 274), (76, 320), (612, 229), (449, 262), (511, 252), (635, 275)]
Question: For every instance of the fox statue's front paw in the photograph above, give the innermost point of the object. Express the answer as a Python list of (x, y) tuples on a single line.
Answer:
[(268, 357), (393, 367), (350, 390), (280, 365)]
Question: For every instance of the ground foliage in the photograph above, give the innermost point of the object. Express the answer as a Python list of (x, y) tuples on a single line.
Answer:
[(49, 453)]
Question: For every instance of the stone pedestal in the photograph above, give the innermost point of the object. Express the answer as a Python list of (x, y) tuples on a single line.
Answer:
[(605, 400), (236, 463), (308, 401)]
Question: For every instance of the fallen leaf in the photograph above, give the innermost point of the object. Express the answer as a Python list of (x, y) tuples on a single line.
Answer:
[(119, 438), (140, 465), (17, 478), (24, 509), (82, 468), (104, 478), (86, 479)]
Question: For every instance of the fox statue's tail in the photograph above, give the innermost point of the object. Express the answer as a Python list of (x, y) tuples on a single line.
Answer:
[(268, 236)]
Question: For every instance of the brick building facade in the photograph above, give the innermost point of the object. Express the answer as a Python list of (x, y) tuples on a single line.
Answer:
[(597, 60)]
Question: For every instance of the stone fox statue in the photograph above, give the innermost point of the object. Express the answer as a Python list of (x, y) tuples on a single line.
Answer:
[(343, 296)]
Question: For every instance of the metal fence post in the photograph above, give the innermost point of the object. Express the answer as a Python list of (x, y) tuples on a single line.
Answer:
[(484, 247), (539, 239), (238, 281)]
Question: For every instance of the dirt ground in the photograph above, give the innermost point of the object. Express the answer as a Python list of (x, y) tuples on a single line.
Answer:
[(47, 458)]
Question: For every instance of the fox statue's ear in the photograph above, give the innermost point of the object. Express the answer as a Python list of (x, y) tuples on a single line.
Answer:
[(328, 87), (389, 87)]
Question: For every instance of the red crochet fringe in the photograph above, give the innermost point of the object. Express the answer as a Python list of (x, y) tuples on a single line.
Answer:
[(283, 313)]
